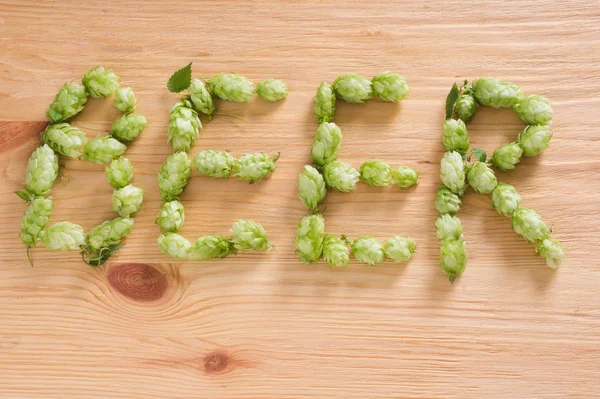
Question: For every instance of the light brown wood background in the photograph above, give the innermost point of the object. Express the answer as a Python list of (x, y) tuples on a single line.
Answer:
[(265, 325)]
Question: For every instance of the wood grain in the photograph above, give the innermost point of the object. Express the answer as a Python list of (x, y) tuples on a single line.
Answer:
[(263, 325)]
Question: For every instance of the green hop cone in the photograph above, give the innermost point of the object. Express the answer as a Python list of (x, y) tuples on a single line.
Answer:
[(529, 224), (68, 102), (211, 247), (324, 103), (335, 251), (452, 172), (507, 156), (376, 173), (109, 233), (247, 235), (495, 93), (254, 167), (217, 164), (446, 201), (368, 250), (311, 187), (174, 175), (353, 88), (448, 227), (272, 90), (34, 220), (128, 127), (390, 87), (326, 146), (534, 139), (534, 110), (170, 217), (400, 249), (125, 100), (119, 173), (482, 178), (455, 137), (341, 176), (100, 82), (64, 139), (405, 176), (63, 236), (202, 98), (174, 245), (184, 126), (42, 170), (310, 236), (466, 106), (103, 149), (453, 257), (127, 200), (231, 87), (505, 199), (551, 250)]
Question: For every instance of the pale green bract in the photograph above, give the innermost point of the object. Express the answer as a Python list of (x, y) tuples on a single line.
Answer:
[(128, 127), (341, 176), (184, 126), (400, 249), (324, 103), (446, 201), (247, 235), (551, 250), (100, 82), (119, 172), (68, 102), (217, 164), (42, 170), (309, 238), (368, 250), (272, 90), (353, 88), (448, 227), (109, 233), (125, 100), (174, 175), (34, 220), (376, 173), (231, 87), (254, 167), (528, 224), (327, 143), (103, 149), (311, 187), (452, 172), (170, 217), (466, 106), (390, 87), (495, 93), (482, 178), (64, 139), (63, 236), (453, 257), (211, 247), (505, 199), (202, 98), (174, 245), (455, 137), (507, 156), (335, 251), (127, 200), (405, 176), (534, 110), (534, 139)]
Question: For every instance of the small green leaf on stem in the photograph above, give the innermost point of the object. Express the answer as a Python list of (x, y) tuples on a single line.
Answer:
[(451, 100), (479, 154), (181, 79)]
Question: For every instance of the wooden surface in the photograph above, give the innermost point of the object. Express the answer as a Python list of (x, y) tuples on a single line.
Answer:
[(264, 325)]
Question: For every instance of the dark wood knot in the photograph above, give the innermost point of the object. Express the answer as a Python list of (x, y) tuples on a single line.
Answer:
[(138, 281), (216, 361)]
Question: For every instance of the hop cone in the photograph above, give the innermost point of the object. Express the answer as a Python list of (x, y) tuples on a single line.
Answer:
[(231, 87), (353, 88), (335, 251), (214, 163), (507, 156), (326, 146), (64, 139), (482, 178), (174, 245), (67, 103), (311, 187), (399, 249), (109, 233), (324, 103), (211, 247), (376, 173), (127, 200), (272, 90), (452, 172), (103, 149), (128, 127), (446, 201), (125, 100), (455, 137), (453, 257), (254, 167), (247, 235), (184, 126), (551, 250), (448, 227), (528, 224), (368, 250), (495, 93), (505, 199), (100, 82), (390, 87), (534, 139), (309, 238), (63, 236), (34, 220), (170, 217), (341, 176), (42, 169), (201, 98), (119, 173), (174, 175), (534, 110), (405, 177), (466, 106)]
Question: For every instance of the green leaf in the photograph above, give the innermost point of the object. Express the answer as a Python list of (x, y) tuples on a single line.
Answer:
[(451, 100), (24, 195), (101, 257), (479, 154), (181, 79)]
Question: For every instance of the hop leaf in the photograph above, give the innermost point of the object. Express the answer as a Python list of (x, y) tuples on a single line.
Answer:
[(551, 250), (170, 217), (455, 136), (311, 187), (479, 154), (42, 170), (340, 176), (254, 167), (495, 93), (127, 200), (174, 245), (453, 257), (534, 139), (446, 201), (184, 126), (390, 87), (247, 235), (64, 139), (451, 100), (482, 178), (103, 149), (128, 127), (353, 88), (63, 236), (505, 199), (180, 80), (326, 146), (528, 224), (400, 249), (534, 110), (507, 156), (368, 250), (108, 234), (405, 176), (452, 172), (34, 220), (272, 90), (119, 173), (324, 103), (202, 98), (217, 164), (335, 252), (376, 173), (211, 247), (125, 100), (100, 82), (448, 227), (231, 87), (309, 238), (68, 102), (174, 175)]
